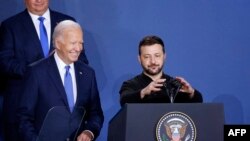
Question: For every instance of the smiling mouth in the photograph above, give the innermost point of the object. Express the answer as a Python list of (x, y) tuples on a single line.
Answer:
[(75, 54)]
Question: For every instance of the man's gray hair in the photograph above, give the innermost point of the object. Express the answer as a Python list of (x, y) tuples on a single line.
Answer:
[(61, 26)]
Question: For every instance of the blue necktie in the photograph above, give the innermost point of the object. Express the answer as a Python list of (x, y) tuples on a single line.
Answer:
[(69, 88), (43, 37)]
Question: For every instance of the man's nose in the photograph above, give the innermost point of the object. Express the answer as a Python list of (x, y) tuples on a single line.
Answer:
[(152, 60), (78, 47)]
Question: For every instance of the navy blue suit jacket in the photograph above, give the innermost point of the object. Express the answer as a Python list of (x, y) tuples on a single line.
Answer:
[(44, 90), (19, 47)]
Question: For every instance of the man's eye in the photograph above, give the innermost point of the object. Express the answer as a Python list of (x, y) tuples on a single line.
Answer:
[(73, 43)]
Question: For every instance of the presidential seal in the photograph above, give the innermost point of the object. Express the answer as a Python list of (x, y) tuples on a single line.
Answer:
[(175, 126)]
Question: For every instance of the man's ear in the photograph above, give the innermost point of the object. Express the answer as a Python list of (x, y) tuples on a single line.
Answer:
[(58, 44), (139, 59)]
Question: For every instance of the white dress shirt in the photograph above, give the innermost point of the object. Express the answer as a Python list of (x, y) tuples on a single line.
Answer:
[(61, 67), (46, 22)]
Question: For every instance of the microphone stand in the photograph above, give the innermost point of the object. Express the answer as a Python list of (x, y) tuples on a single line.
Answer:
[(172, 88)]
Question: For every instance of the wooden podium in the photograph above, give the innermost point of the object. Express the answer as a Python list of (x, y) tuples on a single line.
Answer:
[(139, 122)]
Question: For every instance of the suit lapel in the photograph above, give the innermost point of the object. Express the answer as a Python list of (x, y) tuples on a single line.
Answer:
[(80, 80), (31, 31), (56, 78)]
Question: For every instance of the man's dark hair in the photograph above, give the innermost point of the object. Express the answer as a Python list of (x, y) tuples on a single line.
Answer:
[(151, 40)]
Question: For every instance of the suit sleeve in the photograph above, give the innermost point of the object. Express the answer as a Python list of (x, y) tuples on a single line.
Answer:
[(8, 63), (94, 113), (26, 109)]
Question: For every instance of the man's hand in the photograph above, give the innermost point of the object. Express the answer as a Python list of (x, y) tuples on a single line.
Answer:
[(85, 136), (154, 86), (186, 88)]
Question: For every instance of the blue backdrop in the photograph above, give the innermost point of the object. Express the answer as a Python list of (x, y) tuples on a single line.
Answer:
[(207, 42)]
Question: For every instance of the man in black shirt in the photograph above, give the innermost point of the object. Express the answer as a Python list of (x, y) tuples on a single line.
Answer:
[(153, 85)]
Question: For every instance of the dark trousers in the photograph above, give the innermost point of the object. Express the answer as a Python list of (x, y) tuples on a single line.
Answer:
[(1, 117), (11, 132)]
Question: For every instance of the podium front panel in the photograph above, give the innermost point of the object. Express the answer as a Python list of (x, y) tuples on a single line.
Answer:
[(138, 122)]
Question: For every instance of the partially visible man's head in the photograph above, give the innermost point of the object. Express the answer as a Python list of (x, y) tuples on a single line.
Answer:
[(68, 40), (151, 40), (37, 7), (151, 55)]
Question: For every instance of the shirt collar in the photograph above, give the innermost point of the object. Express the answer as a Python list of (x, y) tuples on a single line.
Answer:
[(60, 64), (46, 15)]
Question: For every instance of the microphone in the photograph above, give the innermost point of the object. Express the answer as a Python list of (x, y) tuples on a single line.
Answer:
[(172, 87)]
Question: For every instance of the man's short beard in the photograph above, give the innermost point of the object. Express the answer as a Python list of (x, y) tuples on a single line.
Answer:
[(152, 73)]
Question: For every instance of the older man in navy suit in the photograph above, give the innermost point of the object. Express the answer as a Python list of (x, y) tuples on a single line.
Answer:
[(45, 86), (20, 46)]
